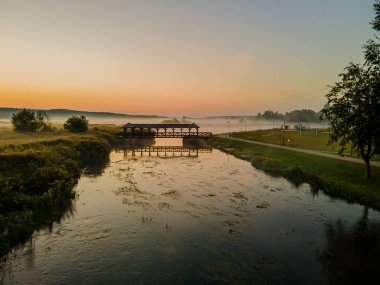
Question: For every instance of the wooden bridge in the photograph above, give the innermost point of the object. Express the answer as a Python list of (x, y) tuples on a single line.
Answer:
[(163, 131)]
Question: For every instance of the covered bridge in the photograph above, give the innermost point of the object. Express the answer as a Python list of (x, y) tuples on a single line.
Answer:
[(163, 130)]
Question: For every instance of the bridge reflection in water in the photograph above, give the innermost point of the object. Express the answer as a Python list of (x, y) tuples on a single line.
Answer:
[(166, 151)]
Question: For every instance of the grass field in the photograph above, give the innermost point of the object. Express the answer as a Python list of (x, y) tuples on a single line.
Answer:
[(310, 139), (9, 137), (339, 178)]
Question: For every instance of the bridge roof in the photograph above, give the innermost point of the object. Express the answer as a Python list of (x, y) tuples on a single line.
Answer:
[(161, 126)]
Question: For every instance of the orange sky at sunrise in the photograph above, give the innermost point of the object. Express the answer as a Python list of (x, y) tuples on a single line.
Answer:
[(192, 58)]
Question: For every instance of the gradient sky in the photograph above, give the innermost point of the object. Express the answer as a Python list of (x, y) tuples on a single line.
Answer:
[(177, 57)]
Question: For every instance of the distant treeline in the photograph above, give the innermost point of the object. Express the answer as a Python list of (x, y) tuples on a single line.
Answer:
[(6, 113), (293, 116), (304, 115)]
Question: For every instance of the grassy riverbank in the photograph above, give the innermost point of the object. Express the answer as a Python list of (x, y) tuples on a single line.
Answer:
[(307, 139), (338, 178), (37, 174)]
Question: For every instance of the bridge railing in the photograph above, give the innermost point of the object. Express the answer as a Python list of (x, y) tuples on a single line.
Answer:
[(168, 135), (178, 149)]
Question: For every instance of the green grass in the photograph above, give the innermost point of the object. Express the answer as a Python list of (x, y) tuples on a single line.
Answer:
[(10, 137), (306, 139), (338, 178)]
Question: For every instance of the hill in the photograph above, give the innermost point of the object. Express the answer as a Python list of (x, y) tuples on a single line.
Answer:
[(6, 113)]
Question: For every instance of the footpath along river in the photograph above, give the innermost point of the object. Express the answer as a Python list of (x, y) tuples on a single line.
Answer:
[(198, 217)]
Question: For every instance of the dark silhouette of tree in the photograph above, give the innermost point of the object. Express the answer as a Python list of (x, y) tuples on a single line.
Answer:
[(270, 115), (302, 116), (353, 110), (353, 104), (376, 22), (76, 124), (43, 120), (27, 120), (293, 116)]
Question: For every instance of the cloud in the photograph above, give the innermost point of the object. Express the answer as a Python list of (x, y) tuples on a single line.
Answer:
[(244, 60)]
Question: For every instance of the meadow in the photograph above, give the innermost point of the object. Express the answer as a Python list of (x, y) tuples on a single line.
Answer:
[(307, 139)]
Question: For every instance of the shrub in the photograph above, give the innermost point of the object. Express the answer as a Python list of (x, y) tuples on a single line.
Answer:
[(28, 120), (76, 124)]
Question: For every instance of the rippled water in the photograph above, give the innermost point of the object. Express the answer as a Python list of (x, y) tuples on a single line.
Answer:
[(195, 218)]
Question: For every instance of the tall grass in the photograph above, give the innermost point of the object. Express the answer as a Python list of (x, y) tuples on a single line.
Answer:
[(37, 180)]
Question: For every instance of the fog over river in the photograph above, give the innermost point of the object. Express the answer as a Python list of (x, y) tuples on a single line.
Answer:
[(215, 125)]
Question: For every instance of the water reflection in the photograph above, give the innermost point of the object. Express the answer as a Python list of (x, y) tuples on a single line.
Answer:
[(96, 169), (213, 219), (352, 253), (26, 247), (44, 220), (166, 151), (164, 148)]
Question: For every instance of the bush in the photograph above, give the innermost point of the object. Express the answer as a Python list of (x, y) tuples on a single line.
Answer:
[(28, 120), (76, 124)]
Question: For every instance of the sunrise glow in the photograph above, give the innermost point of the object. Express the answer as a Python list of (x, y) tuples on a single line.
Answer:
[(177, 57)]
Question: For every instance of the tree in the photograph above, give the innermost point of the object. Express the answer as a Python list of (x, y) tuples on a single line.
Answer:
[(270, 115), (43, 121), (353, 104), (28, 120), (376, 22), (353, 110), (76, 124), (302, 116)]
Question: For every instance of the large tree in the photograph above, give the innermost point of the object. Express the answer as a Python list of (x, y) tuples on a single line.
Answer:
[(353, 104), (353, 110)]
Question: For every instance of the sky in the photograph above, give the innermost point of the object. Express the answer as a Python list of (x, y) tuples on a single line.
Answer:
[(177, 57)]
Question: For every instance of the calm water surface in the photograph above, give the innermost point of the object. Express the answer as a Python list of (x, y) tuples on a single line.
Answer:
[(196, 218)]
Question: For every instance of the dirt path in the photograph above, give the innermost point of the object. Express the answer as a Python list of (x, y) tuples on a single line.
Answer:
[(313, 152)]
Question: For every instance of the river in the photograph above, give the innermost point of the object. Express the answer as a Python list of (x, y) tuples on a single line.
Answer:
[(172, 216)]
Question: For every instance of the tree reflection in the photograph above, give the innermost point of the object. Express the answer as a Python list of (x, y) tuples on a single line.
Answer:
[(134, 143), (26, 246), (352, 254), (96, 169)]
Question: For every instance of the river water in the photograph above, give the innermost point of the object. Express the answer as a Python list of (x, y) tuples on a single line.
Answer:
[(166, 216)]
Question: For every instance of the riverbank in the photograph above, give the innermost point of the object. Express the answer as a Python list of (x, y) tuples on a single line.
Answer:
[(339, 179), (315, 139), (37, 177)]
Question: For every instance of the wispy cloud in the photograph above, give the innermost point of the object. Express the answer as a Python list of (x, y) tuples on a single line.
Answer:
[(244, 60)]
